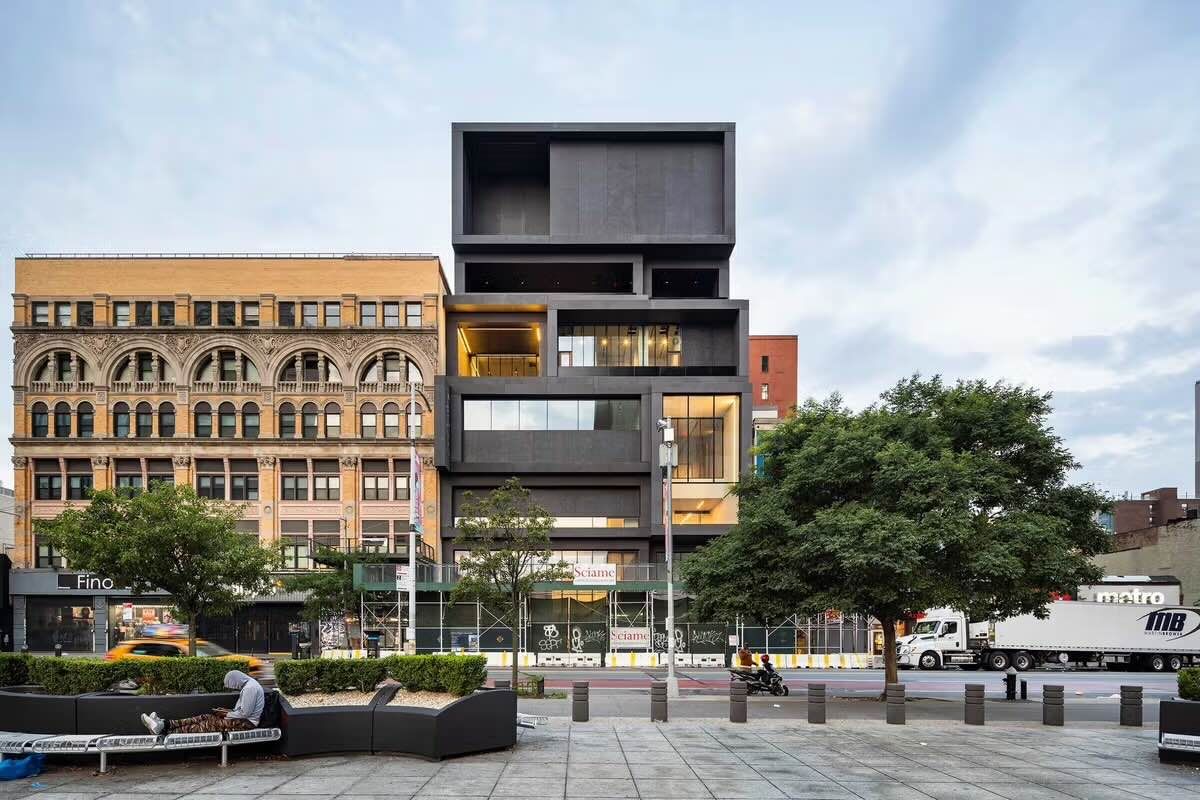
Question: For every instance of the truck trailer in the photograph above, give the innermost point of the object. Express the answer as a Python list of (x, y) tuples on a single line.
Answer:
[(1077, 633)]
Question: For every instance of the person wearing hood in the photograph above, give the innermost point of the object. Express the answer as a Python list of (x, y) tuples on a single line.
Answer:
[(243, 717)]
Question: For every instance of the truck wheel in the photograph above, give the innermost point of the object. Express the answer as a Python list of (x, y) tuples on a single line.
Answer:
[(997, 660), (1157, 663), (1174, 663), (929, 660), (1023, 661)]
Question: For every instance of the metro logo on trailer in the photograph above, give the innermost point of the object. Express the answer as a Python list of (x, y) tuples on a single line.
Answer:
[(1171, 622)]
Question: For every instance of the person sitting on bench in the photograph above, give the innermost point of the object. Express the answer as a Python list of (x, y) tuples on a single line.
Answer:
[(243, 717)]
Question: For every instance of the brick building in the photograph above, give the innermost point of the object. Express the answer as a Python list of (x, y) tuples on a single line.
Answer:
[(1156, 507), (278, 382), (773, 374)]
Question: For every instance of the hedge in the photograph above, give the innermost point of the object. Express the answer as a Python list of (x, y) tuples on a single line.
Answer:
[(458, 675), (181, 675), (14, 669), (1189, 683)]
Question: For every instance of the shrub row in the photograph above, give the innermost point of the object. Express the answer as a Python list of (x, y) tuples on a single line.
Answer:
[(157, 676), (14, 669), (458, 675), (1189, 683)]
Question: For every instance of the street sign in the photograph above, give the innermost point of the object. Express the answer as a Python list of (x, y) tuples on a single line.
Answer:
[(403, 578)]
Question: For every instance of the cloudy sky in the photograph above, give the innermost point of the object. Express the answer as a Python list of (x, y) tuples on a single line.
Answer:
[(974, 189)]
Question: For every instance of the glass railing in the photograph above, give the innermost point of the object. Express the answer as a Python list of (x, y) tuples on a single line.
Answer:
[(374, 574)]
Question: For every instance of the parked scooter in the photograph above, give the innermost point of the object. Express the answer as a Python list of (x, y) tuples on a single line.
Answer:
[(765, 680)]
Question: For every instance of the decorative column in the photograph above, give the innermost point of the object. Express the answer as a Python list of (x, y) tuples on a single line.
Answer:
[(379, 370), (321, 371), (299, 367), (73, 375), (154, 370), (131, 367), (237, 362), (351, 489), (216, 366), (100, 477), (182, 470), (267, 494)]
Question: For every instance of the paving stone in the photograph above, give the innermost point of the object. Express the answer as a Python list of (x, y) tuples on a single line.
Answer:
[(398, 784), (884, 791), (600, 787), (540, 788), (251, 784), (672, 787), (723, 788), (814, 790), (1024, 791)]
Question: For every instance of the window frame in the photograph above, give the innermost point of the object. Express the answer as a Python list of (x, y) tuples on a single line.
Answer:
[(121, 311), (336, 317), (315, 308), (285, 314), (58, 309), (409, 307), (166, 314), (202, 313), (40, 315), (85, 320), (251, 313), (362, 307), (227, 314)]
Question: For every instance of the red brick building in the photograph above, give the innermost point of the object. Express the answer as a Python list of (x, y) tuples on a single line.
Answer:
[(773, 374), (1156, 507)]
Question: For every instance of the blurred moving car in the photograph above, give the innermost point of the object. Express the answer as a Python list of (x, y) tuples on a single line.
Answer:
[(170, 647)]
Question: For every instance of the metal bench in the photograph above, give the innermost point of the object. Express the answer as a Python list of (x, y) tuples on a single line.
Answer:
[(23, 743)]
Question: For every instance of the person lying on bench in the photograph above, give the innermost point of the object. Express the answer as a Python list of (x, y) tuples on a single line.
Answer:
[(243, 717)]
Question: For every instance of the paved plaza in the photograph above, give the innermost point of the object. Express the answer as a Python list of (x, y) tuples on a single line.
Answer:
[(692, 759)]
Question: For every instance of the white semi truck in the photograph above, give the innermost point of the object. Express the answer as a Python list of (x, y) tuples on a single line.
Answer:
[(1080, 633)]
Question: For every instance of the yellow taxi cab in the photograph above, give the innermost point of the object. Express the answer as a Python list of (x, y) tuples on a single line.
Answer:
[(170, 646)]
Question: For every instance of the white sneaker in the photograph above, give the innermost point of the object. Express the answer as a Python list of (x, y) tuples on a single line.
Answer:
[(153, 724)]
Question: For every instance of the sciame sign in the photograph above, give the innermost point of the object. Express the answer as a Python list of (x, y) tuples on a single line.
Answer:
[(594, 574), (629, 638)]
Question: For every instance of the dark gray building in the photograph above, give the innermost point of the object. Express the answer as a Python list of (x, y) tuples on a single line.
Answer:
[(592, 279)]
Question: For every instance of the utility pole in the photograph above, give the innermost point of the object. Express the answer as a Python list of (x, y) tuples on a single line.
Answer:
[(667, 455), (416, 504)]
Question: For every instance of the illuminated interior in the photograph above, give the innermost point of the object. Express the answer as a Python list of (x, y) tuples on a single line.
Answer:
[(706, 435), (499, 351)]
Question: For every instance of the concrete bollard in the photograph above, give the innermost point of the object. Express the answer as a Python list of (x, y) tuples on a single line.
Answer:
[(737, 701), (895, 703), (973, 708), (1024, 689), (1131, 706), (579, 701), (1052, 705), (658, 701), (816, 703), (503, 683)]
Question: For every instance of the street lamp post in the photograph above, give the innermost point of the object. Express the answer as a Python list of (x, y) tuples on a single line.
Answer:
[(668, 459)]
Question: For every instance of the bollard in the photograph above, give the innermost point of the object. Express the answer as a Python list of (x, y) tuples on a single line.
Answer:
[(24, 649), (816, 703), (737, 701), (1024, 689), (1010, 684), (895, 703), (579, 701), (58, 650), (503, 683), (1052, 705), (658, 701), (973, 710), (1131, 706)]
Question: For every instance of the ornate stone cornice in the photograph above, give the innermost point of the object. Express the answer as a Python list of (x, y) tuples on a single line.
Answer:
[(266, 462), (181, 461), (99, 461), (349, 462)]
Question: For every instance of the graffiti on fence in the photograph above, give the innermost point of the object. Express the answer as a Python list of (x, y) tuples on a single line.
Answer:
[(333, 633)]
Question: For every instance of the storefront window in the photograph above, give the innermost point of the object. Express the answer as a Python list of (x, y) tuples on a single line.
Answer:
[(127, 619), (51, 621)]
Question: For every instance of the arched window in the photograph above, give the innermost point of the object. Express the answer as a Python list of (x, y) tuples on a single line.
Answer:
[(85, 421), (287, 421), (121, 420), (41, 421), (224, 368), (226, 421), (394, 368), (57, 367), (250, 421), (414, 420), (143, 366), (391, 421), (313, 367), (333, 421), (166, 420), (310, 421), (62, 420), (367, 426), (145, 421), (203, 415)]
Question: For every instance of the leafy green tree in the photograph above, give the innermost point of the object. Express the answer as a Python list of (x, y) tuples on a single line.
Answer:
[(166, 538), (329, 592), (509, 536), (936, 496)]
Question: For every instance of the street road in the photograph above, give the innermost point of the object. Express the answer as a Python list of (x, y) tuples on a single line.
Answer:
[(853, 683)]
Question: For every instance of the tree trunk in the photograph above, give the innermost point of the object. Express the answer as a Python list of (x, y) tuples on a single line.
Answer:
[(191, 633), (890, 669), (516, 641)]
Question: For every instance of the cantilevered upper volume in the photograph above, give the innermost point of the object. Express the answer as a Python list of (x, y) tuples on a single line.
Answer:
[(585, 187)]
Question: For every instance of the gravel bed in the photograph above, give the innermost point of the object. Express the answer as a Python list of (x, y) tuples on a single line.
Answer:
[(423, 699), (335, 699)]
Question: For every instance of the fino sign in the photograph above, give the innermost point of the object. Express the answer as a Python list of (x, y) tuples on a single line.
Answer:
[(85, 581)]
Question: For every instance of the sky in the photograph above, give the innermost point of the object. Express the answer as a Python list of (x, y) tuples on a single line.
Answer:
[(999, 190)]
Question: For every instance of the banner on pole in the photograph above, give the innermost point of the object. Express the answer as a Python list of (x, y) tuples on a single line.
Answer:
[(416, 492)]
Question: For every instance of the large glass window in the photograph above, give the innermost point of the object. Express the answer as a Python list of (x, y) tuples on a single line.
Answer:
[(412, 315), (51, 621), (243, 487), (295, 487), (85, 314), (391, 315), (604, 414), (79, 487), (250, 421), (367, 315), (62, 315), (309, 312), (202, 311), (333, 315), (144, 313), (659, 345), (85, 420), (250, 314), (212, 486), (166, 313), (121, 314), (706, 432), (227, 313), (166, 420), (41, 420), (41, 314), (62, 420), (287, 315)]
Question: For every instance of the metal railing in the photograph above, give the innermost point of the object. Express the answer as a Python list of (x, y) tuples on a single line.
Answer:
[(450, 574)]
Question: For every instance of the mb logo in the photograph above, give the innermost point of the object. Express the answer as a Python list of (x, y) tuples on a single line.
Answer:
[(1166, 621)]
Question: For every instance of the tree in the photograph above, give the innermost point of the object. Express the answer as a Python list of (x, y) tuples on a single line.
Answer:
[(329, 592), (936, 496), (166, 538), (509, 536)]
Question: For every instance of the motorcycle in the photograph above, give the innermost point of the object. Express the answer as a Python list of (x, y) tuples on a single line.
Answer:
[(761, 680)]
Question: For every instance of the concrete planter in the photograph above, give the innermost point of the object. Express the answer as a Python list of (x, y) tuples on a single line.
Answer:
[(327, 729), (28, 709), (110, 712), (485, 720), (1178, 730)]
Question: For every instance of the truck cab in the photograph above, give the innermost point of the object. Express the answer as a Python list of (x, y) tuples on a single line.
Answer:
[(938, 639)]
